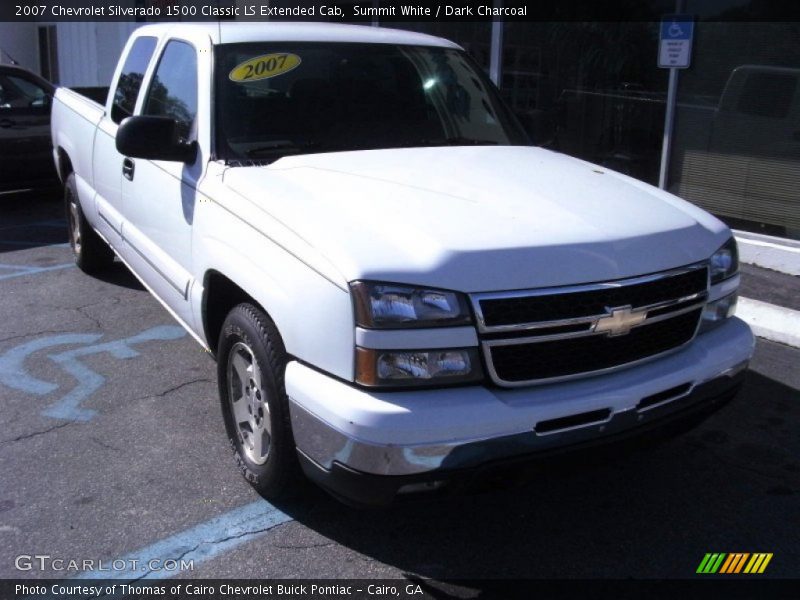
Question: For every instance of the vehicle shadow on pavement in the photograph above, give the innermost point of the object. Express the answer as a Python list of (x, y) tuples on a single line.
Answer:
[(30, 220), (118, 274), (730, 484)]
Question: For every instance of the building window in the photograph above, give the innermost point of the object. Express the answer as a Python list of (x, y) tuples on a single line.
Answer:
[(594, 85), (736, 142)]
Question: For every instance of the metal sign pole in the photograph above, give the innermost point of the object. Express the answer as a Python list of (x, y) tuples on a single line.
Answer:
[(669, 118), (496, 53), (674, 52)]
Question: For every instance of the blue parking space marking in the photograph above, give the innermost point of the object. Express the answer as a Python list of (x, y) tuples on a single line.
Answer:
[(198, 544), (22, 270), (14, 375)]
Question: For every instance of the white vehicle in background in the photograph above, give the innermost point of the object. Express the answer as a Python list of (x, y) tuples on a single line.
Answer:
[(398, 288)]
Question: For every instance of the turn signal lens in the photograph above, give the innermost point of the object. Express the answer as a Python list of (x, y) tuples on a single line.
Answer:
[(417, 367), (715, 313)]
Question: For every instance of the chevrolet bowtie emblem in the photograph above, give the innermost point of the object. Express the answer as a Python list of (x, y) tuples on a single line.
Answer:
[(620, 321)]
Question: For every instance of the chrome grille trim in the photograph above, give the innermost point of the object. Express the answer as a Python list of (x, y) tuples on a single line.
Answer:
[(476, 299), (487, 344), (487, 355), (590, 332)]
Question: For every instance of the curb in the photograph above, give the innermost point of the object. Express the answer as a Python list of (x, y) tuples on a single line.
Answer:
[(771, 322), (769, 252)]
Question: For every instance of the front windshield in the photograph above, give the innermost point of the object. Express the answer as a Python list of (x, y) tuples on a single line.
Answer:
[(280, 98)]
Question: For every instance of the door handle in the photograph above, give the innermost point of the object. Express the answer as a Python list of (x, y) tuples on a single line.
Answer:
[(6, 123), (128, 167)]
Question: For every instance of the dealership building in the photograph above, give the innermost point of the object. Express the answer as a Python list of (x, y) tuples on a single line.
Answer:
[(723, 133)]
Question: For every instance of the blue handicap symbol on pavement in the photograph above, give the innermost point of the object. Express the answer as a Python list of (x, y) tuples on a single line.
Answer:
[(14, 375)]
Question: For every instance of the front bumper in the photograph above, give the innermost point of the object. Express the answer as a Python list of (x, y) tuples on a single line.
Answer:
[(394, 440)]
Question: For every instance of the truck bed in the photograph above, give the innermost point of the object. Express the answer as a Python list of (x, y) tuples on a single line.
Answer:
[(74, 124)]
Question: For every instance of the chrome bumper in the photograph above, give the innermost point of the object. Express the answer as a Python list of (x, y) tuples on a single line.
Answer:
[(529, 421), (330, 446)]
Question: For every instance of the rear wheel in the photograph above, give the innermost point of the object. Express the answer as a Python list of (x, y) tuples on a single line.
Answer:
[(251, 362), (91, 253)]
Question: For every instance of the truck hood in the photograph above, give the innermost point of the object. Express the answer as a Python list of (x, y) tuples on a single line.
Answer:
[(475, 218)]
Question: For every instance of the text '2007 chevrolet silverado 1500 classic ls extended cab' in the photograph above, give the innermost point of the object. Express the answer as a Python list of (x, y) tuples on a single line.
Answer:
[(398, 288)]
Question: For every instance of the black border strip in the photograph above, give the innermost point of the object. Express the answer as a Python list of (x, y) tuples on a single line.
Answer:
[(393, 11)]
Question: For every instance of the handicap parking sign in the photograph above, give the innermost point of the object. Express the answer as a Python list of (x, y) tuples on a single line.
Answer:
[(675, 41)]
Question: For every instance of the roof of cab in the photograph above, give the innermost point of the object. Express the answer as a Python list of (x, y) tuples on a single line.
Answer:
[(226, 32)]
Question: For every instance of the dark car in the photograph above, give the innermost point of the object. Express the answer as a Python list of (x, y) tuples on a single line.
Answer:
[(26, 159)]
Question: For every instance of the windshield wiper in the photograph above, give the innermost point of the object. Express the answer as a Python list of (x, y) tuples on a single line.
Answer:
[(282, 146), (457, 141)]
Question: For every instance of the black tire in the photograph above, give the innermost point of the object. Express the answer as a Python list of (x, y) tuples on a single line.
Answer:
[(91, 253), (248, 334)]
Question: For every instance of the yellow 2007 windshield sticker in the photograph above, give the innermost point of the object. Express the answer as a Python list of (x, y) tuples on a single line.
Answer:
[(264, 67)]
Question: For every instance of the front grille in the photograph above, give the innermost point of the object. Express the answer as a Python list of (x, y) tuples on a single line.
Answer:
[(558, 306), (560, 358), (544, 335)]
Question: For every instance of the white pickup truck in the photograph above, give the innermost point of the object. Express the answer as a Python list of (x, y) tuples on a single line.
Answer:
[(399, 289)]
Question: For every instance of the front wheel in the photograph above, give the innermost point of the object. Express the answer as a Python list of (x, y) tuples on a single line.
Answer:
[(251, 362)]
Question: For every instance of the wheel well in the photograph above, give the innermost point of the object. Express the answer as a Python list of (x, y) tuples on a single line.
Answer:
[(219, 297), (64, 164)]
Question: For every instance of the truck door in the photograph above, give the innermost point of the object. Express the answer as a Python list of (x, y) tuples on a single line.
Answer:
[(106, 161), (159, 196)]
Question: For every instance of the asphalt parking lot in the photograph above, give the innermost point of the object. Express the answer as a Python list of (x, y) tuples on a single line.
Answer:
[(113, 446)]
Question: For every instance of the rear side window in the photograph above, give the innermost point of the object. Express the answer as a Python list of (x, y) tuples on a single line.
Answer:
[(16, 92), (130, 80), (173, 92), (767, 95)]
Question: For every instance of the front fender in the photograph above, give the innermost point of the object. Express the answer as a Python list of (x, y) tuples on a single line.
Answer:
[(313, 316)]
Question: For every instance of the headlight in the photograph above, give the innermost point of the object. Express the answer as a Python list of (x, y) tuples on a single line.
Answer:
[(724, 262), (715, 313), (389, 306), (417, 367)]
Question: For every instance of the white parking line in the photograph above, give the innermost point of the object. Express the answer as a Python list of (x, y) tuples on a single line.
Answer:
[(771, 322)]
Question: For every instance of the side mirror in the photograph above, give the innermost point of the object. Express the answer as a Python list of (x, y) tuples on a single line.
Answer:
[(153, 138), (539, 125)]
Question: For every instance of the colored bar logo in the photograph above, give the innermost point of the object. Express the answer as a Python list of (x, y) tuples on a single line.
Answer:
[(736, 562)]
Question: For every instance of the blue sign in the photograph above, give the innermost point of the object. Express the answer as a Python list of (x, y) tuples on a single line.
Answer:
[(675, 41), (677, 27)]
